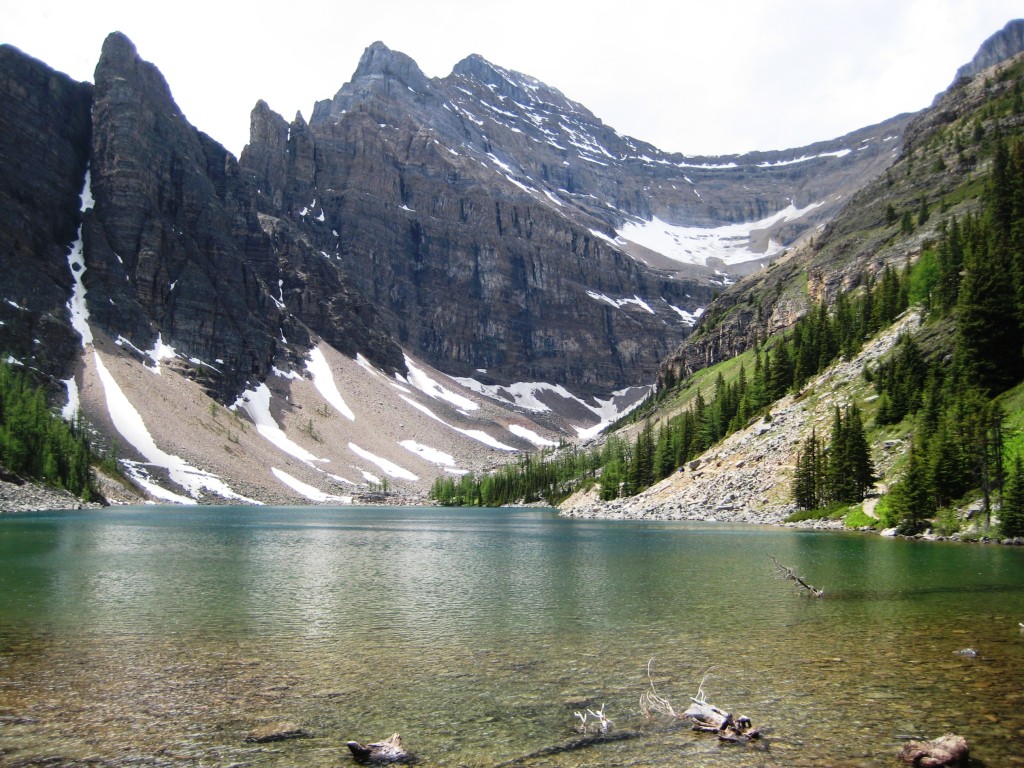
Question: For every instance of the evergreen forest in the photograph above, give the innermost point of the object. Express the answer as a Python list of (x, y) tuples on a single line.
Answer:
[(38, 444)]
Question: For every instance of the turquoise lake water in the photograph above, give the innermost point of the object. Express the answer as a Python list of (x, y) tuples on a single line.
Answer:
[(162, 636)]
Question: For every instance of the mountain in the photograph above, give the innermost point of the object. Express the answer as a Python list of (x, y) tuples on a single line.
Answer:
[(911, 295), (498, 225), (477, 252), (1002, 45)]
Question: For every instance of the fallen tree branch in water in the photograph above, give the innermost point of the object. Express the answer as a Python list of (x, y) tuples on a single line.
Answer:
[(790, 574), (651, 702), (706, 717)]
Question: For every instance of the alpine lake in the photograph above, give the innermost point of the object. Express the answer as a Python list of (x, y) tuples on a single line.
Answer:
[(164, 636)]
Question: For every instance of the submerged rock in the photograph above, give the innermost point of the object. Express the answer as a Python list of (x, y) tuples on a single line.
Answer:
[(276, 732)]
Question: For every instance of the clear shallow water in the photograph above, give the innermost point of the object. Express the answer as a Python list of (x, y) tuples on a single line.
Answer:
[(163, 636)]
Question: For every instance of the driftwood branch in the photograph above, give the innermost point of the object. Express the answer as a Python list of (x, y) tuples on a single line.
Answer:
[(388, 751), (601, 722), (791, 575), (705, 716), (946, 750), (651, 702)]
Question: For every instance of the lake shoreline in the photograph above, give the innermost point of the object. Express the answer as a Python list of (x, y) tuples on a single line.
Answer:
[(32, 497)]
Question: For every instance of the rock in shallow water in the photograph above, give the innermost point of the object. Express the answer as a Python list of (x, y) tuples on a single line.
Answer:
[(276, 732)]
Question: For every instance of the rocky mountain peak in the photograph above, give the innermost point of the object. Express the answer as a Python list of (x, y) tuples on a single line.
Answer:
[(509, 84), (382, 74), (1007, 42), (120, 60), (380, 61)]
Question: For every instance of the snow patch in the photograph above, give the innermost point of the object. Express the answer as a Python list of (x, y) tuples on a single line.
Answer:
[(256, 403), (388, 467), (70, 409), (323, 379), (690, 318), (614, 242), (620, 303), (307, 490), (160, 351), (285, 374), (531, 436), (76, 304), (419, 379), (695, 245), (475, 434), (805, 158), (522, 394), (608, 413), (427, 453)]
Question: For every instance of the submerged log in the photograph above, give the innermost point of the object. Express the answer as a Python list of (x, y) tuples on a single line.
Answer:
[(945, 750), (583, 742), (388, 751)]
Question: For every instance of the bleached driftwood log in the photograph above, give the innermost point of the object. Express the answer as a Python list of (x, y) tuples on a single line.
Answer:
[(388, 751), (945, 750), (705, 716), (790, 574)]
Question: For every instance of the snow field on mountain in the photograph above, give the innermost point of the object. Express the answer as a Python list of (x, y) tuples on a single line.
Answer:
[(256, 404), (696, 245)]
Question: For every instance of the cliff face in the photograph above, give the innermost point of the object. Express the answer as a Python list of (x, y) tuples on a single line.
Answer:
[(1007, 42), (44, 150), (481, 213), (481, 221), (174, 247)]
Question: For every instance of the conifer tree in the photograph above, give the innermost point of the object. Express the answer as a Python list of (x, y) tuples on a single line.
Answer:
[(989, 341), (1012, 512), (911, 498), (808, 477)]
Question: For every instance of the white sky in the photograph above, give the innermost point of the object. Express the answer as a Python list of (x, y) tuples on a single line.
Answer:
[(694, 76)]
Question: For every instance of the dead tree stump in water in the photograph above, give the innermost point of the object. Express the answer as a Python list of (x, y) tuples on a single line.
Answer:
[(705, 716), (388, 751), (945, 750)]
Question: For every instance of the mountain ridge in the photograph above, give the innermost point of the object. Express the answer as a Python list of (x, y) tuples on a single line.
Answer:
[(460, 226)]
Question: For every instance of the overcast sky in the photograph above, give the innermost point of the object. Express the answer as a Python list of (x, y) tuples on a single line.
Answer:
[(693, 76)]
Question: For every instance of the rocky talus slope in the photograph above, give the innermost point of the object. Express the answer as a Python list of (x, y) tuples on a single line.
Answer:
[(747, 477)]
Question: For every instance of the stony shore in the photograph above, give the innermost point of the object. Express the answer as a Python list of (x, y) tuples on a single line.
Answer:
[(747, 477), (29, 497)]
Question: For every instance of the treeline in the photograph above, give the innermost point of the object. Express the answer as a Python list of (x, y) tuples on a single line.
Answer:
[(974, 276), (625, 468), (537, 477), (35, 443)]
